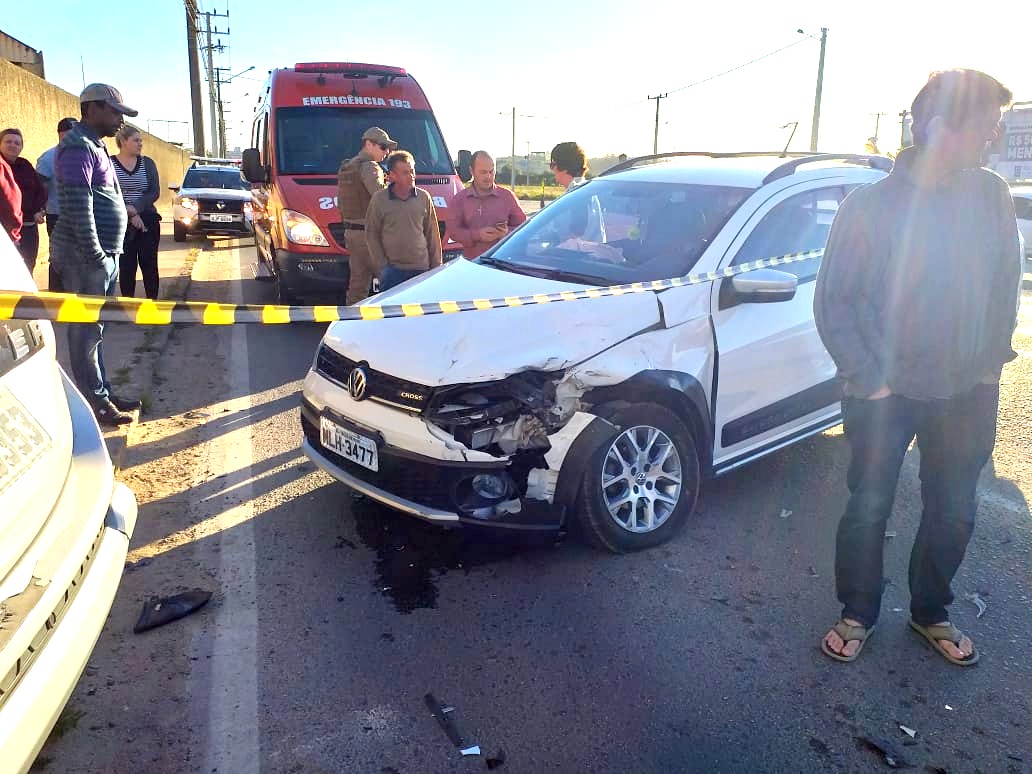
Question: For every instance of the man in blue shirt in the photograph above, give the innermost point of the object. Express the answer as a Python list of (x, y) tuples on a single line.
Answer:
[(45, 170), (87, 239)]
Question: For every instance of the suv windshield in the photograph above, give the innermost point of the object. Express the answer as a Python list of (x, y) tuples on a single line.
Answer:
[(198, 177), (613, 232), (314, 141)]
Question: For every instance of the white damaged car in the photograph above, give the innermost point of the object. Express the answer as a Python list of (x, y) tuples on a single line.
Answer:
[(611, 410)]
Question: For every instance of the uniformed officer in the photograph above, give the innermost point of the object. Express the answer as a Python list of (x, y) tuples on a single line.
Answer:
[(358, 179)]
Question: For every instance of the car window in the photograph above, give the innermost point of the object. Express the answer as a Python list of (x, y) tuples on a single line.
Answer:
[(199, 177), (614, 232), (1023, 208), (798, 224)]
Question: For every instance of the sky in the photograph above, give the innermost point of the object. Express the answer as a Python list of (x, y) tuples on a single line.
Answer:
[(579, 70)]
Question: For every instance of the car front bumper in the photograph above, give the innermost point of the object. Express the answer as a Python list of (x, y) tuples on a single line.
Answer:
[(319, 276), (53, 641)]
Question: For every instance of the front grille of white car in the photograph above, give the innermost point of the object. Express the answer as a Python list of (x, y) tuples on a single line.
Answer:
[(381, 387)]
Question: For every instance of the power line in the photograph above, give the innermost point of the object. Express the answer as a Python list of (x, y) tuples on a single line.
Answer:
[(739, 67)]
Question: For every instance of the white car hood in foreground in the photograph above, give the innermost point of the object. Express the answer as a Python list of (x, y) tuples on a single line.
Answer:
[(468, 347)]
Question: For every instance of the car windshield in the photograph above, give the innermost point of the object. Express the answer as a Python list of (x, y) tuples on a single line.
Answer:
[(315, 140), (612, 232), (198, 177)]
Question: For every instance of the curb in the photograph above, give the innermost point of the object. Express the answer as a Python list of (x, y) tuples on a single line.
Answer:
[(146, 359)]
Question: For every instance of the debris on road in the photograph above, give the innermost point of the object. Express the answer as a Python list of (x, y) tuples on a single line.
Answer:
[(908, 731), (890, 534), (497, 760), (443, 715), (785, 513), (949, 707), (160, 611), (813, 573), (892, 757), (978, 602)]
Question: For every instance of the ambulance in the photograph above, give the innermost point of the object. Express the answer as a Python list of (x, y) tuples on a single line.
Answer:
[(308, 120)]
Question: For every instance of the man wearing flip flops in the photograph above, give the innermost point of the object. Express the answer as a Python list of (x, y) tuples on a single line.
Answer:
[(916, 301)]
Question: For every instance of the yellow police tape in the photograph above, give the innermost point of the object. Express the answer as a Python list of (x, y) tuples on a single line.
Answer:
[(72, 308)]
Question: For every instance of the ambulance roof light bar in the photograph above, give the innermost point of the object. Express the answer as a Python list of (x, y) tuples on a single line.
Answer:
[(349, 68)]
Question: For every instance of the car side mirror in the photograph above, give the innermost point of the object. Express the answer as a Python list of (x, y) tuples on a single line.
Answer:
[(251, 165), (465, 166), (763, 286), (174, 188)]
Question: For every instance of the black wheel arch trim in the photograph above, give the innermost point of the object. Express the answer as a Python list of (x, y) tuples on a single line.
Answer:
[(680, 392)]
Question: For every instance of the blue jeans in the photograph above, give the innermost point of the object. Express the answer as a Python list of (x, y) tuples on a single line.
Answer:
[(85, 349), (956, 438), (391, 276)]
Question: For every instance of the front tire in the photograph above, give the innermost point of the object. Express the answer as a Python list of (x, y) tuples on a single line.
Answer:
[(641, 487), (178, 232)]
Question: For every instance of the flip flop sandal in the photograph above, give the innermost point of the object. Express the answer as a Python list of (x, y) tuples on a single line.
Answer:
[(848, 633), (947, 632)]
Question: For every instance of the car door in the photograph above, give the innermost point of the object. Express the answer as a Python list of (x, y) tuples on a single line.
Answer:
[(775, 378)]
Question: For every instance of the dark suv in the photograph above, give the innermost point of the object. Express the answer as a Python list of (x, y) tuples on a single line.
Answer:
[(213, 200)]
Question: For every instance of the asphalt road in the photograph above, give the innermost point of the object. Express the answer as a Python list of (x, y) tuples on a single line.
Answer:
[(333, 617)]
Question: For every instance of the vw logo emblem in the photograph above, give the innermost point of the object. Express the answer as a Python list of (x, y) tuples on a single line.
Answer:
[(221, 205), (357, 383)]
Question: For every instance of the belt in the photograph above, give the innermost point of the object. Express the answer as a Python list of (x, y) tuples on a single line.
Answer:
[(354, 226)]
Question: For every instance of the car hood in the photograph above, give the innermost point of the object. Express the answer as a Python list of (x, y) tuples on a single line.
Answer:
[(470, 347), (230, 194)]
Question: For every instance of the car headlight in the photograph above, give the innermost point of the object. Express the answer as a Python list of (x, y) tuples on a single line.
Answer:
[(248, 209), (188, 203), (302, 230)]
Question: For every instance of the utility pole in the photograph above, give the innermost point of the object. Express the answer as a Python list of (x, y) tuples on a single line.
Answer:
[(512, 158), (214, 87), (903, 128), (877, 122), (820, 88), (195, 76), (655, 134)]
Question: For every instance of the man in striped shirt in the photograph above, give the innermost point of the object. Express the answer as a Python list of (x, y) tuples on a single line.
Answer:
[(88, 237)]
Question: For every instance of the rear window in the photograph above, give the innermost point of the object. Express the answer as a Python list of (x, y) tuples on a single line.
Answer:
[(614, 232), (315, 140), (1023, 208), (199, 177)]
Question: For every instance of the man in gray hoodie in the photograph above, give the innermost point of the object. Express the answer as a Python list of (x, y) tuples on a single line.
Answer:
[(916, 301)]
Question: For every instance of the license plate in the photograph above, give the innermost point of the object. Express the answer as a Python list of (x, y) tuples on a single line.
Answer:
[(353, 446), (22, 440), (216, 218)]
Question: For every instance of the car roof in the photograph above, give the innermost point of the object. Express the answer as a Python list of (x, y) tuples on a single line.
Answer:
[(742, 170), (213, 168)]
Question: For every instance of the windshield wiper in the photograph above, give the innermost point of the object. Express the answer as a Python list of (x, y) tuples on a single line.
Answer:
[(572, 276), (497, 263)]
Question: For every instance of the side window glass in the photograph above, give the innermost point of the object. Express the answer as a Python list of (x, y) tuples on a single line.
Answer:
[(1023, 208), (798, 224)]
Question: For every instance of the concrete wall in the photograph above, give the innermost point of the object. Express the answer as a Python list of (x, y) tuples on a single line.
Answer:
[(13, 50), (31, 104)]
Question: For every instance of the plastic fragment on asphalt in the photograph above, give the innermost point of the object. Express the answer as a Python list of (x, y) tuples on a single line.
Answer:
[(813, 573), (908, 731), (893, 758), (785, 513), (949, 707), (897, 610), (978, 602), (158, 612), (497, 760), (890, 534), (445, 721)]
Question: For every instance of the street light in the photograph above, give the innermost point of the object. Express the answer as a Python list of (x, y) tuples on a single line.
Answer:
[(221, 118)]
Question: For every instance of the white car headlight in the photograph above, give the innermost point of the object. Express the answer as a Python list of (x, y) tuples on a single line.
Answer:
[(302, 230), (190, 204)]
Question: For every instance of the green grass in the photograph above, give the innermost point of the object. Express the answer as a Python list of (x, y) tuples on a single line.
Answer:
[(121, 376), (533, 192)]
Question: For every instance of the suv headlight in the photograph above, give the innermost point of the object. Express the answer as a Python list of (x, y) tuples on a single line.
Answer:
[(302, 230), (189, 204)]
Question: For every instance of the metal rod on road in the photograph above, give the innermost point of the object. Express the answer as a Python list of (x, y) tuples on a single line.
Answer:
[(820, 88)]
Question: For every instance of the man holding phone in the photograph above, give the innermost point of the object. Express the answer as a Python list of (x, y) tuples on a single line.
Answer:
[(483, 213)]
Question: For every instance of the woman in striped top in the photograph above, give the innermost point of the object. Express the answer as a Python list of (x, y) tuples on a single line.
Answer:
[(138, 178)]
